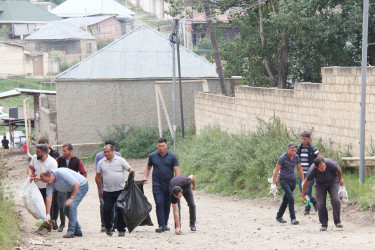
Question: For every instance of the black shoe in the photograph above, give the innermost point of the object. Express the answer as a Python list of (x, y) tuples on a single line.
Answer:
[(306, 212), (102, 229), (55, 227), (49, 229), (281, 220), (159, 230), (109, 232), (193, 228), (121, 233), (323, 228), (78, 234), (339, 225), (113, 229), (294, 222), (61, 228), (68, 235), (166, 228)]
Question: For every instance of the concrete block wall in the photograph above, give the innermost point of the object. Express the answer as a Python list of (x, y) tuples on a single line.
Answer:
[(332, 107)]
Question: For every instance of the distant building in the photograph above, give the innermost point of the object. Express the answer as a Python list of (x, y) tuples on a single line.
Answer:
[(48, 6), (14, 60), (23, 18)]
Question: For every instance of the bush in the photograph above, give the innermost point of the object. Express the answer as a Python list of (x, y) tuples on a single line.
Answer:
[(135, 141), (240, 163)]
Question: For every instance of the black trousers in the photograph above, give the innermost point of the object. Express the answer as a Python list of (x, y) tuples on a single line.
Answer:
[(110, 199), (188, 195), (321, 197)]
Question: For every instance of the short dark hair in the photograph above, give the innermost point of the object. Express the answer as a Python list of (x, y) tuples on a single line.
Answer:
[(305, 134), (318, 160), (68, 145), (42, 147), (46, 173), (110, 146), (162, 139), (43, 140), (110, 141), (176, 190)]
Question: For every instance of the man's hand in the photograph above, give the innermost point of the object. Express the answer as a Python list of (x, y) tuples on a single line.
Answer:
[(273, 188), (32, 177), (194, 187), (48, 218), (144, 181), (178, 231), (341, 182), (68, 202), (101, 195), (303, 199)]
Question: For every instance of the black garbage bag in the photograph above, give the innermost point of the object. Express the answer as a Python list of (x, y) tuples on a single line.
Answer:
[(147, 221), (133, 204)]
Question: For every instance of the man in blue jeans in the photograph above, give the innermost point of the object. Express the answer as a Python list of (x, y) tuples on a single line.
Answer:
[(286, 165), (307, 153), (75, 186), (164, 163)]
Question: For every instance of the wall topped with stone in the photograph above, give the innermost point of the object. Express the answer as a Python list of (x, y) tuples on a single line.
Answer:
[(332, 107)]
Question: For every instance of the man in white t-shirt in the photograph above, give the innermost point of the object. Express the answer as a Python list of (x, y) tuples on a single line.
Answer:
[(40, 162), (112, 168)]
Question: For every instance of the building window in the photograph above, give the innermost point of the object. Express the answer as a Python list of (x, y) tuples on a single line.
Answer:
[(88, 47), (194, 39)]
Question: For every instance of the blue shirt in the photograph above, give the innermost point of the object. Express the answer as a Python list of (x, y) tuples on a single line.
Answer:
[(163, 167), (287, 166), (100, 156), (65, 180)]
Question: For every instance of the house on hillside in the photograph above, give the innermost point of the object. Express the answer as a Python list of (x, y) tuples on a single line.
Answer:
[(23, 18), (103, 28), (14, 60), (87, 8), (116, 86), (156, 7)]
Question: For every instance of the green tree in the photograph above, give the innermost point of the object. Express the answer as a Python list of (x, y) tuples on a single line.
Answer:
[(281, 38)]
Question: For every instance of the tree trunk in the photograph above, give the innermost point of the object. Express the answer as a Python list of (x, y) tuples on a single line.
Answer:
[(283, 62), (219, 67)]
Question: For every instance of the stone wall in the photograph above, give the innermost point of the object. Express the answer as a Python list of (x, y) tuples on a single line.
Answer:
[(46, 119), (331, 108)]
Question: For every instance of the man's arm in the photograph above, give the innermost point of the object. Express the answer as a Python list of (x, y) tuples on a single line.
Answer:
[(192, 177), (81, 169), (48, 204), (74, 194), (304, 188), (176, 170), (30, 171), (98, 180), (176, 218), (299, 167), (275, 173), (146, 173), (339, 175)]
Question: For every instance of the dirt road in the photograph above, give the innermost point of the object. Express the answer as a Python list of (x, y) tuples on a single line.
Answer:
[(222, 223)]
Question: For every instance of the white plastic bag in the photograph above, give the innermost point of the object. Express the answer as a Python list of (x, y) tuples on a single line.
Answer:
[(33, 200), (343, 195)]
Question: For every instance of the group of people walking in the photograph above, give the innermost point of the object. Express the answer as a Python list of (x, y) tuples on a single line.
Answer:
[(312, 168), (63, 184)]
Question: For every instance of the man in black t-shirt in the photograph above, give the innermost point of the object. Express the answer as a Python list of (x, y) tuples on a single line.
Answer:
[(181, 186), (328, 175)]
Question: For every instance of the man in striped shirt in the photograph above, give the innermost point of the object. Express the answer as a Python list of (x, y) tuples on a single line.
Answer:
[(307, 153)]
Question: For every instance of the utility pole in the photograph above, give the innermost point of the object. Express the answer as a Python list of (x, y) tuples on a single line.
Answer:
[(173, 40), (179, 79), (219, 67), (363, 92)]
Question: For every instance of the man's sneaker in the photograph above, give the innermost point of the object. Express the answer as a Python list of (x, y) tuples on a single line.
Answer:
[(166, 228), (281, 220), (78, 234), (193, 228), (339, 225), (121, 233), (102, 229), (294, 222), (113, 229), (109, 232), (306, 212), (323, 228), (68, 235), (61, 228), (159, 230), (54, 225)]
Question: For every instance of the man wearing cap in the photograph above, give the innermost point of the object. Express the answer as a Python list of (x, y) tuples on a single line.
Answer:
[(328, 175), (307, 153), (286, 165), (98, 157)]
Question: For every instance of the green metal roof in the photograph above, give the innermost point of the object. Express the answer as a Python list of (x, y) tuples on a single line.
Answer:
[(21, 10)]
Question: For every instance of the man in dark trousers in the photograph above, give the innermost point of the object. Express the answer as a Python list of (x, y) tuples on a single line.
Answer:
[(307, 153), (328, 175), (164, 163), (67, 160), (181, 186)]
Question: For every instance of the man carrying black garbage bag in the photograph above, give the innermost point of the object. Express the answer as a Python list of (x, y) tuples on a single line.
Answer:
[(111, 168), (181, 186)]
